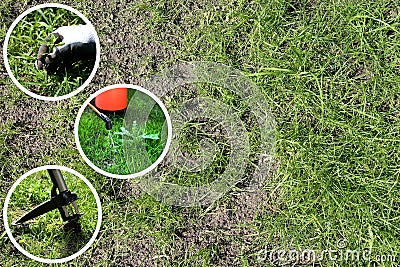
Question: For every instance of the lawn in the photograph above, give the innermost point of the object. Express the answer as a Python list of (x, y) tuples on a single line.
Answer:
[(330, 71), (23, 47)]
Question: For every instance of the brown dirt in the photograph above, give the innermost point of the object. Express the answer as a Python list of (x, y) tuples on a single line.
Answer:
[(227, 228)]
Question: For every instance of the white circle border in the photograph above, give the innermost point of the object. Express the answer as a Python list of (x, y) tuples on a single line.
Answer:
[(61, 260), (18, 84), (152, 166)]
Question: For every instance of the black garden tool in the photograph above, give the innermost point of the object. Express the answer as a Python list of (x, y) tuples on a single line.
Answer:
[(102, 116), (58, 201)]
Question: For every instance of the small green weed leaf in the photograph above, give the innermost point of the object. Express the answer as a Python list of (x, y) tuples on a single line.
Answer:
[(26, 57), (43, 24), (150, 136), (124, 132)]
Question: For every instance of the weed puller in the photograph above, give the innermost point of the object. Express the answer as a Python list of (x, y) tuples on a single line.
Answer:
[(59, 201), (102, 116)]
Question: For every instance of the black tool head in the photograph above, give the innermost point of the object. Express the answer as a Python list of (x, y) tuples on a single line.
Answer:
[(108, 125), (107, 120)]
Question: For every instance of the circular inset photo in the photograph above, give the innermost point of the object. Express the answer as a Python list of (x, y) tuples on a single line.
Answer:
[(52, 214), (51, 51), (123, 131)]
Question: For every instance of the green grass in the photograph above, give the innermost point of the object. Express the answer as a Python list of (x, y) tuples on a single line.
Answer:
[(330, 71), (95, 141), (47, 235), (23, 47), (104, 148)]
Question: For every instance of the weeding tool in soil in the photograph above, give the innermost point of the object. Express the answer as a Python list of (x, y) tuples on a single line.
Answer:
[(58, 201), (102, 116)]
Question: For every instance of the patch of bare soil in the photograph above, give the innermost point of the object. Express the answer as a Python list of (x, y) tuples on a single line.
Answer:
[(228, 229)]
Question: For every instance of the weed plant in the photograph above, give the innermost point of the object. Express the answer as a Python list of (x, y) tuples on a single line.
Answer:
[(48, 236), (22, 50)]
